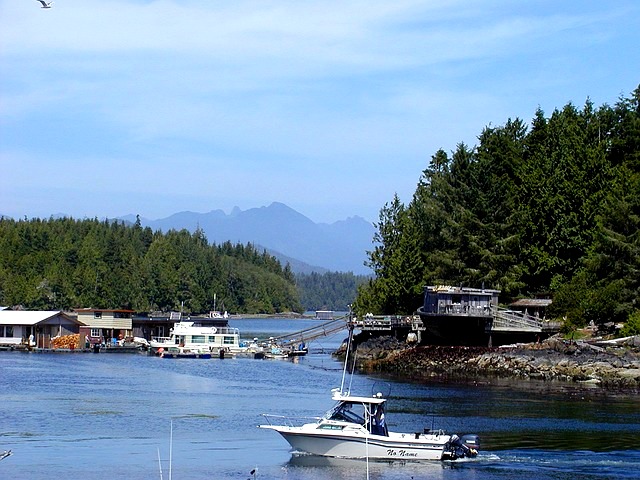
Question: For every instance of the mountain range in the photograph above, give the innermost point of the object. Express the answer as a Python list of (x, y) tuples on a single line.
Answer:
[(285, 233)]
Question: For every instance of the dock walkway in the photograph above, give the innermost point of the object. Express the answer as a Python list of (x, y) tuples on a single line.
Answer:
[(512, 321), (312, 333), (500, 320)]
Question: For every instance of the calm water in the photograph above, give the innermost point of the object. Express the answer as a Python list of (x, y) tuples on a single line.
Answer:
[(106, 416)]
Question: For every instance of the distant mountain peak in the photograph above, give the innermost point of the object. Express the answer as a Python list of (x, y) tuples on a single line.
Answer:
[(340, 246)]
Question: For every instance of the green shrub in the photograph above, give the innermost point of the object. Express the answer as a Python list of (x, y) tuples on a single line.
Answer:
[(632, 326)]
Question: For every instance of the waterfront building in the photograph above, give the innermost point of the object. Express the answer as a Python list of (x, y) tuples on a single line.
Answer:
[(34, 328), (105, 325)]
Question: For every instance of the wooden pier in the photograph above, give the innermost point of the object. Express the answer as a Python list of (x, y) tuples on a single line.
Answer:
[(505, 320), (497, 323)]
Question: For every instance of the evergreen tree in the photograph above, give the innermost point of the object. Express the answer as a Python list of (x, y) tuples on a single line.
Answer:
[(552, 209)]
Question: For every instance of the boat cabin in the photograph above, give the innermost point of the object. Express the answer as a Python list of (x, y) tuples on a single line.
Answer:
[(367, 412)]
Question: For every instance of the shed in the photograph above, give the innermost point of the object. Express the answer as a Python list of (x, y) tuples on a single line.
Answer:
[(35, 328), (535, 307)]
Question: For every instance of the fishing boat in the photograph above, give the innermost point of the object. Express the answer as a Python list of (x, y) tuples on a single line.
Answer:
[(356, 427)]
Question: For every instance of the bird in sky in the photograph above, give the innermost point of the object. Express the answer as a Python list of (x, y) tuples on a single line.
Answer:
[(45, 4)]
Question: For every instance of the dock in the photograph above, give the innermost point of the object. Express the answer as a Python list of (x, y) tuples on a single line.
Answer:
[(504, 320), (496, 323), (325, 329)]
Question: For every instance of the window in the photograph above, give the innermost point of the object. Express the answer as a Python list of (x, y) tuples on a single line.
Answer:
[(229, 340), (197, 339), (95, 332), (349, 412), (9, 331), (97, 314), (212, 339)]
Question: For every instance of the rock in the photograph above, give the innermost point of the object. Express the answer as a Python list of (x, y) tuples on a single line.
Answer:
[(630, 373), (554, 359)]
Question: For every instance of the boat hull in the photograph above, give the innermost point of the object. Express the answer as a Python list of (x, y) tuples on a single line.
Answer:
[(185, 355), (359, 445)]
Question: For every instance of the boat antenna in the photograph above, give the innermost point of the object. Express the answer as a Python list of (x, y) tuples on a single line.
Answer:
[(170, 448), (353, 368), (346, 358), (159, 463)]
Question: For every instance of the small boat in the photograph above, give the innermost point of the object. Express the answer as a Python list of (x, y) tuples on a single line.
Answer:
[(251, 350), (298, 351), (5, 454), (183, 352), (276, 352), (356, 427)]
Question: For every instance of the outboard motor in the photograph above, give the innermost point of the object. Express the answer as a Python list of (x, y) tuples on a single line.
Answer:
[(467, 446)]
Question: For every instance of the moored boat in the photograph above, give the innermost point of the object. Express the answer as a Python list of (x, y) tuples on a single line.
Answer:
[(190, 335), (182, 352), (275, 352)]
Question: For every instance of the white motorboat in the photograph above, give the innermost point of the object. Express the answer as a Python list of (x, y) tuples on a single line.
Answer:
[(251, 350), (202, 338), (356, 428), (183, 352)]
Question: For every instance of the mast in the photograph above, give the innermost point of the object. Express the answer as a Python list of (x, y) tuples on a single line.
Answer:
[(346, 357)]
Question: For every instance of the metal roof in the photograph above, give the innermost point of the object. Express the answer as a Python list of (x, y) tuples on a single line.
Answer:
[(33, 317)]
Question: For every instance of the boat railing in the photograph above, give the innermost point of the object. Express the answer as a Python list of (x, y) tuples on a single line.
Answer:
[(228, 330), (288, 420), (161, 339)]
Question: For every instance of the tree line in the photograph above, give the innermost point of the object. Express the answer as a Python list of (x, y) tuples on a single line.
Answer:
[(328, 291), (547, 209), (66, 263)]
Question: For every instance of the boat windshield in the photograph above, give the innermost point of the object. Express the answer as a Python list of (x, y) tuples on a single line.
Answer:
[(369, 415), (347, 412)]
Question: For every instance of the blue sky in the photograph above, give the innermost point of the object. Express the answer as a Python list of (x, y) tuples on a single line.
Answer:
[(116, 107)]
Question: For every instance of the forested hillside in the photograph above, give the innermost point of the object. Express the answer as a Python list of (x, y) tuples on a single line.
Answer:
[(67, 263), (548, 208), (328, 291)]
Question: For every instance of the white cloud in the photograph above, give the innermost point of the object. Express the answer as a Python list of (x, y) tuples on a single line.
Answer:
[(271, 89)]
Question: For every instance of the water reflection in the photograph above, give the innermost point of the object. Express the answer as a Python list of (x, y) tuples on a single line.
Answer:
[(312, 465)]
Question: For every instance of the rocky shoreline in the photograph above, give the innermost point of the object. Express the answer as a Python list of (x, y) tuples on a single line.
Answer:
[(609, 366)]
